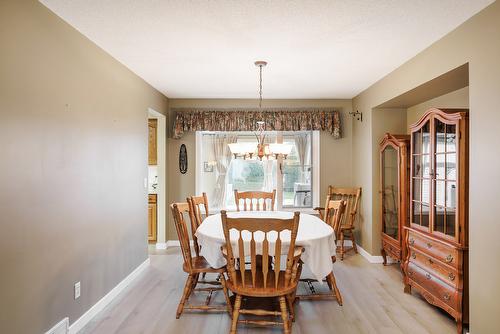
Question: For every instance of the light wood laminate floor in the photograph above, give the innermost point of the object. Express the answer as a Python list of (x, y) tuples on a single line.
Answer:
[(374, 302)]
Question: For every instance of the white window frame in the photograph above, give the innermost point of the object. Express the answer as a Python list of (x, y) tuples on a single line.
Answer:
[(315, 158)]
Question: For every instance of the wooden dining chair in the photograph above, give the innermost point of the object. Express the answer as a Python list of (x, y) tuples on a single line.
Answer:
[(261, 281), (332, 215), (249, 197), (346, 227), (196, 265), (197, 204)]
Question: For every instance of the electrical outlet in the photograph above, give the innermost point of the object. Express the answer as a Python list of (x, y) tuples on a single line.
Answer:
[(77, 290)]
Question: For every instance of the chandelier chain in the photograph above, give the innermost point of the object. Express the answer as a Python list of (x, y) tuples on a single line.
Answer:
[(260, 86)]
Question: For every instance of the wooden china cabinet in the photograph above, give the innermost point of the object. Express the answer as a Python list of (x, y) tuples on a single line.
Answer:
[(394, 193), (436, 263)]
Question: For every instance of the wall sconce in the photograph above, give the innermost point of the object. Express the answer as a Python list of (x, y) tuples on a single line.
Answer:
[(208, 166), (357, 115)]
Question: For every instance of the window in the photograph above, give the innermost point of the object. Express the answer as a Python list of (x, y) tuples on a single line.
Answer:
[(296, 179)]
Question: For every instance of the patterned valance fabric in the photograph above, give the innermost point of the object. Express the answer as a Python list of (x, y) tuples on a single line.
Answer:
[(246, 120)]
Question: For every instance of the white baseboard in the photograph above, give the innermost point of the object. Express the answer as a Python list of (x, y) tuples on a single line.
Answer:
[(373, 258), (161, 245), (61, 327), (176, 243), (369, 257), (108, 298), (347, 243), (365, 254), (173, 243)]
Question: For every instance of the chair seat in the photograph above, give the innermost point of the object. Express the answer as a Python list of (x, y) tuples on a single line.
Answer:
[(200, 265), (346, 228), (259, 290)]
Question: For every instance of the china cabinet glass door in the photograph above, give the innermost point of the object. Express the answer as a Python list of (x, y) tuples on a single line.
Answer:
[(390, 192), (445, 178), (421, 176)]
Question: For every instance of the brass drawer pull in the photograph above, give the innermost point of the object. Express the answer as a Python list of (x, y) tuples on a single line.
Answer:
[(413, 255), (429, 245), (451, 276), (449, 258), (430, 261), (446, 297), (428, 276), (412, 241)]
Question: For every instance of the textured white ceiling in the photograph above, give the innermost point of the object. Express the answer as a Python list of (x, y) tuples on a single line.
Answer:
[(315, 49)]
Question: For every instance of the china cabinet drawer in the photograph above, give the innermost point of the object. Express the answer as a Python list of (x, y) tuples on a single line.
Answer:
[(439, 250), (392, 250), (446, 273), (437, 288)]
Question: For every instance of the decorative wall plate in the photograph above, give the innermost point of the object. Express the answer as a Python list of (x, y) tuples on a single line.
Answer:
[(183, 159)]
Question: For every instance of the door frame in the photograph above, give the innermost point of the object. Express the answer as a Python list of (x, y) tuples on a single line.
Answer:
[(161, 146)]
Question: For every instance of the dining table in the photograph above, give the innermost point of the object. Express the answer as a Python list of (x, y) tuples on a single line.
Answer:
[(315, 236)]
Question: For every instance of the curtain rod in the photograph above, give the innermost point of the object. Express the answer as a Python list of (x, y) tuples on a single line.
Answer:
[(274, 109)]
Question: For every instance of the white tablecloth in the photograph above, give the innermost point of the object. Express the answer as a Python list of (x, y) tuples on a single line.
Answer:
[(314, 235)]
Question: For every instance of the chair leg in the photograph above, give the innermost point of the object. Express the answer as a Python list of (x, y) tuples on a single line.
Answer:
[(290, 299), (331, 278), (185, 296), (341, 246), (195, 280), (354, 242), (284, 315), (329, 284), (226, 295), (384, 256), (236, 314)]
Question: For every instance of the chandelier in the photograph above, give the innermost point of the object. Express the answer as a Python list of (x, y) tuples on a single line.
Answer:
[(260, 149)]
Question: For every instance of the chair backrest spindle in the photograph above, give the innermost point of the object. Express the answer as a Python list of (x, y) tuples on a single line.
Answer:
[(196, 216), (334, 213), (249, 197), (197, 202)]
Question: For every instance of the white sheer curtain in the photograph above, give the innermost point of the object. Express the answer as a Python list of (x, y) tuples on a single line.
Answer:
[(267, 166), (222, 157), (301, 144)]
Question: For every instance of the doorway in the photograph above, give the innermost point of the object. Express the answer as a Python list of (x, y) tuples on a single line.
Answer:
[(157, 139)]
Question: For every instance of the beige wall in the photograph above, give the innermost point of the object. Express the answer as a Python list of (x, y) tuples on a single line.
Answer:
[(455, 99), (335, 162), (73, 147), (474, 42)]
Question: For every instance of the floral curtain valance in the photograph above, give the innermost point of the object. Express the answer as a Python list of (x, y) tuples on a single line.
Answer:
[(246, 120)]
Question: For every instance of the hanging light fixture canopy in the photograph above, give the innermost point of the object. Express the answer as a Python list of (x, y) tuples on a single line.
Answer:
[(260, 149)]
